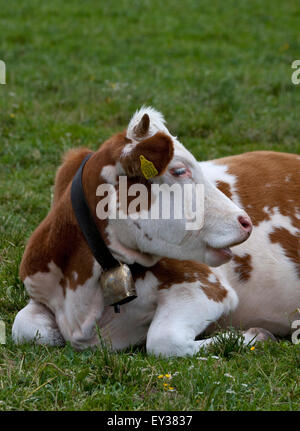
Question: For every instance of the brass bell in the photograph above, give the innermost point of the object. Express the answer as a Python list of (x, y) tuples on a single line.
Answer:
[(118, 286)]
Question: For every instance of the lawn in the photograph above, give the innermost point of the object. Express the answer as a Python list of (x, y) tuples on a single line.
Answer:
[(76, 71)]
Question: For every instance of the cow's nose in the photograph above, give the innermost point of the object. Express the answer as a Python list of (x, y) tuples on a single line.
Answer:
[(245, 224)]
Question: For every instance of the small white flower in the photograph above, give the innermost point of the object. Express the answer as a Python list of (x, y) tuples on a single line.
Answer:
[(230, 391), (216, 383), (215, 357), (202, 359), (244, 384), (228, 375)]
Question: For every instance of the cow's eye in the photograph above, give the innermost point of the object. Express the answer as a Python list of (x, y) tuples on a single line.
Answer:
[(178, 172)]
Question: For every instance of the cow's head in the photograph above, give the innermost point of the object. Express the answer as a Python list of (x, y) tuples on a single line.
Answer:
[(146, 155)]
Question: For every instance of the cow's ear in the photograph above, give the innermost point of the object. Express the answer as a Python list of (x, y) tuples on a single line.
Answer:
[(141, 130), (150, 157)]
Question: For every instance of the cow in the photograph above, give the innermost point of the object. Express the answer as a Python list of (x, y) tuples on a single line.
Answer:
[(186, 280)]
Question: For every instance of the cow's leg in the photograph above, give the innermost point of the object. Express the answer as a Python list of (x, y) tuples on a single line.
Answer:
[(35, 322), (250, 337), (184, 311)]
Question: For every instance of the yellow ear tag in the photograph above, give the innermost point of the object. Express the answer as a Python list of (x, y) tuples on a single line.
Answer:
[(148, 169)]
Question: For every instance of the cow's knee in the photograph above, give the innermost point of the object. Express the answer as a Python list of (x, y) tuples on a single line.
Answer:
[(170, 343), (36, 323), (253, 335)]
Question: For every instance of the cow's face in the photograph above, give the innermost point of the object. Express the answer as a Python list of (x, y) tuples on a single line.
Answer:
[(194, 221)]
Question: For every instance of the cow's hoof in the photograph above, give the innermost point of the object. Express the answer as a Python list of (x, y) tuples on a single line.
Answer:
[(259, 334)]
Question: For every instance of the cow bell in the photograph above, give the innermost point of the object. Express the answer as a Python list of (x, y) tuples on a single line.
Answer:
[(118, 286)]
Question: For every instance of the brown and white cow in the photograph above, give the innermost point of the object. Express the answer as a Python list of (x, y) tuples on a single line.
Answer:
[(178, 298)]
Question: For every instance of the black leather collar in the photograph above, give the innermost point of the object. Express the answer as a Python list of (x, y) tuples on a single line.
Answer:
[(87, 223)]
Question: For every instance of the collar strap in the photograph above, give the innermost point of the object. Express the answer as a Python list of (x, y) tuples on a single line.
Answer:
[(87, 223)]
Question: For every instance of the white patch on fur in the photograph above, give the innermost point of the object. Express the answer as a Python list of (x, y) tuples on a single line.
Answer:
[(128, 148), (214, 172), (36, 323), (212, 278), (109, 174), (45, 288), (128, 254), (75, 313), (82, 308), (157, 122), (130, 326), (176, 322)]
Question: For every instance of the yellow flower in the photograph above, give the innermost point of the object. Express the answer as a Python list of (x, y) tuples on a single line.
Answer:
[(252, 348), (284, 47), (166, 384), (171, 389), (12, 115), (168, 376), (160, 376)]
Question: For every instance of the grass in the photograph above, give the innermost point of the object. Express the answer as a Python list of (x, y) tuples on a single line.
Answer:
[(76, 71), (35, 377)]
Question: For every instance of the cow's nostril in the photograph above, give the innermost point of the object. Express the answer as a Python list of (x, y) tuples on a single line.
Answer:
[(245, 223)]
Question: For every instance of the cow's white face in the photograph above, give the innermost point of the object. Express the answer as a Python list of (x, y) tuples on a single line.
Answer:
[(218, 222)]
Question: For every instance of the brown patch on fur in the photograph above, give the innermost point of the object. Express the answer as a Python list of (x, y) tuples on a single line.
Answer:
[(225, 188), (75, 265), (58, 238), (65, 173), (171, 271), (243, 266), (290, 244)]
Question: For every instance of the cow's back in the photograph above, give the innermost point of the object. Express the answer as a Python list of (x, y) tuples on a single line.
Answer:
[(265, 270)]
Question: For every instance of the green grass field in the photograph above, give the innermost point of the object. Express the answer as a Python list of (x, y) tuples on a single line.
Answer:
[(76, 71)]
